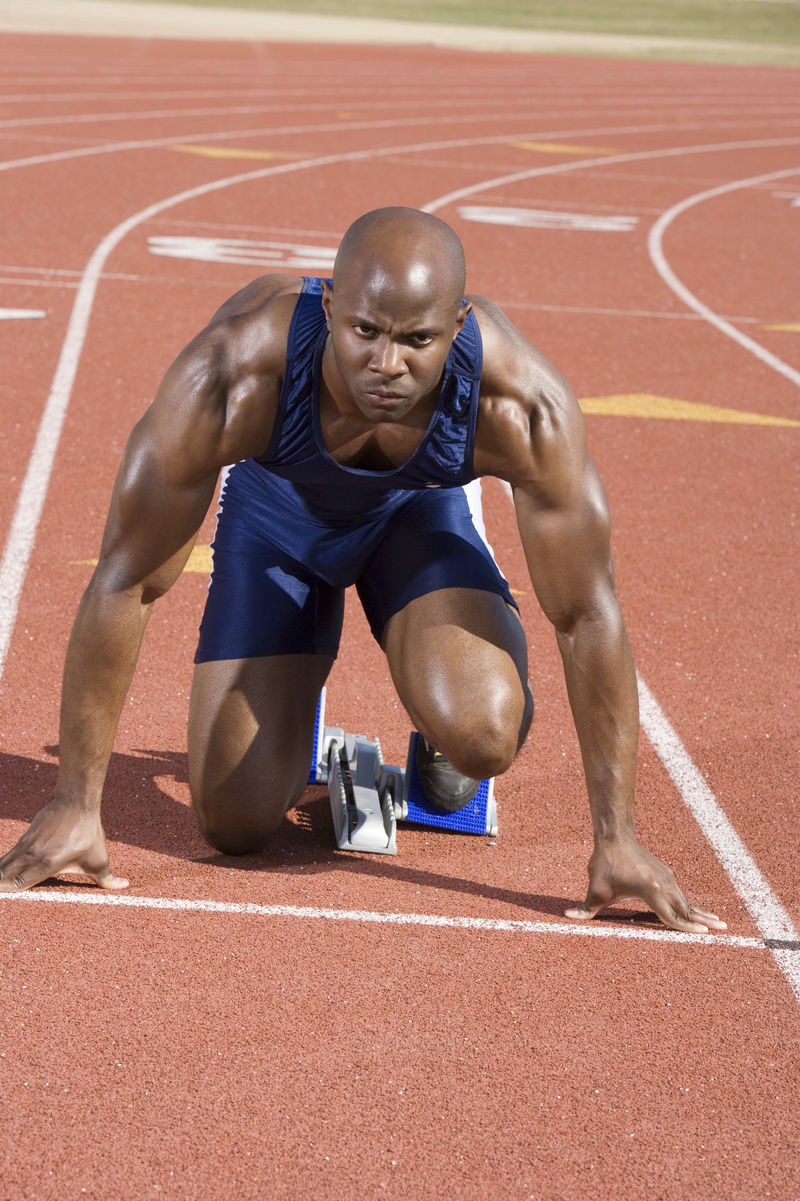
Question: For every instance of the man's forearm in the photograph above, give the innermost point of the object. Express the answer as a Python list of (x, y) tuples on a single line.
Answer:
[(601, 685), (101, 658)]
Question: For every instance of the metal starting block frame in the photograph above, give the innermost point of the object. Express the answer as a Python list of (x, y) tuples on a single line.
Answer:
[(369, 797)]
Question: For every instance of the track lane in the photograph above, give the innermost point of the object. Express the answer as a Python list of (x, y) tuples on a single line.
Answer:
[(524, 1084)]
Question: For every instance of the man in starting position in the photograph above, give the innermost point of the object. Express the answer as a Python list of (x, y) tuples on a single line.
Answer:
[(354, 411)]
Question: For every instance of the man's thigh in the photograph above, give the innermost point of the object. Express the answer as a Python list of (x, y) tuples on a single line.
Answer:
[(251, 731)]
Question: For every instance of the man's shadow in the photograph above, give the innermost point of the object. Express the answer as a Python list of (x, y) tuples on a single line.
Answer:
[(138, 811)]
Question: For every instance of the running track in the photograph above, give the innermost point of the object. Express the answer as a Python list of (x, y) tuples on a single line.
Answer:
[(307, 1024)]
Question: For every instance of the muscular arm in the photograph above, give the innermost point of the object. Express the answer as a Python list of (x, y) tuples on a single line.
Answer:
[(534, 437), (215, 405)]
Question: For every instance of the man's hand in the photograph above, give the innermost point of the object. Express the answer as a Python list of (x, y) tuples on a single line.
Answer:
[(59, 839), (623, 870)]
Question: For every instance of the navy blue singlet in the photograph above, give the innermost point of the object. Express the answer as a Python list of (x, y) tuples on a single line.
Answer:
[(295, 527)]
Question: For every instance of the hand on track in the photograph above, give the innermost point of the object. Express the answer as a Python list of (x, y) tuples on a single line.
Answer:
[(59, 839), (623, 870)]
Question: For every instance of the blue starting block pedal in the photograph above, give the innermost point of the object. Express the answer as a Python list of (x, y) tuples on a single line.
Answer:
[(368, 797), (478, 816)]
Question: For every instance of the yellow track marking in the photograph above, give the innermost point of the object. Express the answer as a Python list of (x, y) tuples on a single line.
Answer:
[(643, 405), (789, 327), (633, 405), (199, 560), (561, 148), (230, 152)]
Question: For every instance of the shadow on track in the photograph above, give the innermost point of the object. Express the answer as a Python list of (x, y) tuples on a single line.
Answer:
[(139, 810)]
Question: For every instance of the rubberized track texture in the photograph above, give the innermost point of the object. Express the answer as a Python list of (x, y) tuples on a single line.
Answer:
[(308, 1024)]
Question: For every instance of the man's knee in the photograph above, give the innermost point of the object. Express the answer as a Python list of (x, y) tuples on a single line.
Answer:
[(236, 840), (234, 825), (483, 740)]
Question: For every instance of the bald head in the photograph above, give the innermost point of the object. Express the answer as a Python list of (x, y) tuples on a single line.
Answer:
[(405, 250)]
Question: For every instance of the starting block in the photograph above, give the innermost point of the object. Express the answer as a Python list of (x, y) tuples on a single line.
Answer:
[(369, 797)]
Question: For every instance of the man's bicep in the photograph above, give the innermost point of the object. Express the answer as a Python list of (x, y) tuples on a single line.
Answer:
[(566, 539)]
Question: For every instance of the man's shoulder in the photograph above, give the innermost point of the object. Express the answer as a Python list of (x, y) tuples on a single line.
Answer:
[(513, 368), (268, 299), (249, 332), (528, 413)]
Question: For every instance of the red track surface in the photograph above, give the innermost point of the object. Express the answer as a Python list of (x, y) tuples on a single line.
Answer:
[(194, 1053)]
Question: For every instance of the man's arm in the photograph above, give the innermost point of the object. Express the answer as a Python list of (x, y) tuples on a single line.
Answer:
[(565, 535), (531, 432), (205, 415)]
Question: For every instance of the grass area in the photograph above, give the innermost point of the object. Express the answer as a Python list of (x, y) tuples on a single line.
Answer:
[(774, 22)]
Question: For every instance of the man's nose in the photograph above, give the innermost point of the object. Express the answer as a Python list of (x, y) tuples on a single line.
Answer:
[(388, 357)]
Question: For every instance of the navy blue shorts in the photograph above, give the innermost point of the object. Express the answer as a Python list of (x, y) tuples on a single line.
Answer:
[(263, 601)]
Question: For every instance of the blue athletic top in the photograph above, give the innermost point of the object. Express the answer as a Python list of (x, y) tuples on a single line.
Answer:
[(295, 527), (297, 453)]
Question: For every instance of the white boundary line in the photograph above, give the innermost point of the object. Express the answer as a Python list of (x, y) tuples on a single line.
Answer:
[(249, 909), (741, 869), (763, 905), (32, 495), (30, 502), (348, 126), (656, 250)]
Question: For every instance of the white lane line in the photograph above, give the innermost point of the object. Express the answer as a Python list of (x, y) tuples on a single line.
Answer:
[(31, 500), (763, 905), (655, 245), (22, 533), (761, 902), (348, 126), (595, 162), (314, 913)]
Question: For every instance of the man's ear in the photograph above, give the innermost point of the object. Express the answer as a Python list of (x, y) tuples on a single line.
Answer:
[(464, 311), (327, 302)]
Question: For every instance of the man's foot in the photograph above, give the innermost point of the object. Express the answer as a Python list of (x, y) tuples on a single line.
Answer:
[(444, 787)]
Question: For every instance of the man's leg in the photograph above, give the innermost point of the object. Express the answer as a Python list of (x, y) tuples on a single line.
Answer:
[(251, 730), (458, 658)]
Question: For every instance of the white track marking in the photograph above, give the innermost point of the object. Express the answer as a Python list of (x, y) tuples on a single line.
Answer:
[(270, 256), (761, 902), (597, 163), (20, 314), (741, 869), (30, 502), (32, 494), (529, 218), (656, 249), (346, 126), (313, 913)]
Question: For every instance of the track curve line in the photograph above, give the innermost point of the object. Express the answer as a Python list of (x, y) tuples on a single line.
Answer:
[(655, 246), (609, 160), (31, 498), (30, 502), (56, 156)]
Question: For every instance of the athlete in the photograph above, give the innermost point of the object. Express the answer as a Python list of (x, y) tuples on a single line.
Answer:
[(353, 410)]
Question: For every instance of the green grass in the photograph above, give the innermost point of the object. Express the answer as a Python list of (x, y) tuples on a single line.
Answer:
[(775, 22)]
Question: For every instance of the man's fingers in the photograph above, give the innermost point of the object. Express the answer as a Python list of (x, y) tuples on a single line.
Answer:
[(580, 913), (18, 872), (109, 880), (596, 899), (689, 921), (709, 919), (685, 918), (17, 875)]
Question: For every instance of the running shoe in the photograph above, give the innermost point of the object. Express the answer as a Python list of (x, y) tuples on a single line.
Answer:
[(444, 787)]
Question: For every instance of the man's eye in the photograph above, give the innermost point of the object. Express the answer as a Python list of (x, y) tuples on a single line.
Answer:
[(363, 331)]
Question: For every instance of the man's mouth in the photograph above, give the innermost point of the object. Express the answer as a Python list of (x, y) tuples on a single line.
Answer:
[(377, 394)]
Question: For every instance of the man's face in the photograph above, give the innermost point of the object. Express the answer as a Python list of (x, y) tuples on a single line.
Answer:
[(389, 340)]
